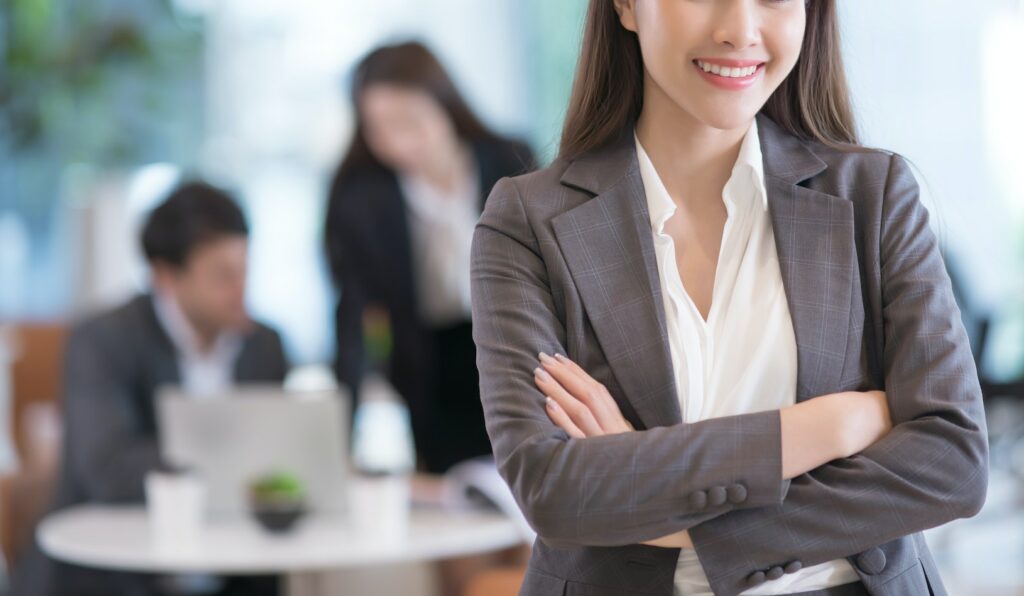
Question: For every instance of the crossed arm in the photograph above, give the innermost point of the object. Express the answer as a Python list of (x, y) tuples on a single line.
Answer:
[(812, 433)]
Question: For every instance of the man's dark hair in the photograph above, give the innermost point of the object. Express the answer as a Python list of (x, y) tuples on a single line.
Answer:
[(194, 214)]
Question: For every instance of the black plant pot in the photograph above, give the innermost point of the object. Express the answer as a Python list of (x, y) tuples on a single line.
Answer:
[(278, 517)]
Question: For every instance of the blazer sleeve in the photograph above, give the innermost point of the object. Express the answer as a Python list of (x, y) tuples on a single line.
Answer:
[(930, 469), (350, 356), (275, 361), (608, 490), (110, 450)]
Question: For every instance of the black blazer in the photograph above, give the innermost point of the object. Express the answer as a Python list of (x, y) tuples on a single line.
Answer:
[(369, 251)]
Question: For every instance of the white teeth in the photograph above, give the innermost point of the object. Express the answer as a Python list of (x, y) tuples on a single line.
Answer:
[(725, 71)]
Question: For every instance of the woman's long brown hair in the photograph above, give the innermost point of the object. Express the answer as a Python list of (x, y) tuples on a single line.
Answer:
[(813, 102), (410, 65)]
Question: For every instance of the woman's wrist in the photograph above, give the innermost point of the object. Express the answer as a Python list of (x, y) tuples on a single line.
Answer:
[(813, 434), (841, 408), (864, 419), (833, 426), (680, 539)]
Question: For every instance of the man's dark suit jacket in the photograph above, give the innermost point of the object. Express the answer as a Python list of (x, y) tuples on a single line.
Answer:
[(370, 254), (114, 364)]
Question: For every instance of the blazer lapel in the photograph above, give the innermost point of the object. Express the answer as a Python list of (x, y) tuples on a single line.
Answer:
[(390, 219), (156, 349), (609, 250), (814, 238)]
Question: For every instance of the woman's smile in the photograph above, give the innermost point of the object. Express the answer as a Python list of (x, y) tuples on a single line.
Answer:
[(729, 74)]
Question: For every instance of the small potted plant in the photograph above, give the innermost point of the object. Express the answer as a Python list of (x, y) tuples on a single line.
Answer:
[(277, 501)]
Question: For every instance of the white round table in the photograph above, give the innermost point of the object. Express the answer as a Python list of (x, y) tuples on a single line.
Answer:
[(119, 538)]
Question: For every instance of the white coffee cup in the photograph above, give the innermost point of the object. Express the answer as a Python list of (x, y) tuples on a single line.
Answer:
[(176, 504), (379, 506)]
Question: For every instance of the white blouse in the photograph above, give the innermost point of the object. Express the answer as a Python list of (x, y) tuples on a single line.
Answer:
[(441, 228), (743, 359)]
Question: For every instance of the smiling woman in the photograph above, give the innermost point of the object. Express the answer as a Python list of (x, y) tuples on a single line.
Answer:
[(809, 99), (757, 354)]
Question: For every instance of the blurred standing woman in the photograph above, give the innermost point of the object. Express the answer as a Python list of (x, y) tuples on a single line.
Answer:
[(400, 220), (719, 350)]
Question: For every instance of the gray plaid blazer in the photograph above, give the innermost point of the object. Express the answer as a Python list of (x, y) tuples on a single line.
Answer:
[(563, 261)]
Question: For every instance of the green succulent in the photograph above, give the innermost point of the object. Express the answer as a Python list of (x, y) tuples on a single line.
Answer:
[(278, 486)]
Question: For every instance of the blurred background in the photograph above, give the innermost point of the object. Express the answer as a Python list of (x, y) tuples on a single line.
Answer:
[(106, 104)]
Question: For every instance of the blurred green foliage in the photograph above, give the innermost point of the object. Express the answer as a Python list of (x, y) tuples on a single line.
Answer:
[(92, 80)]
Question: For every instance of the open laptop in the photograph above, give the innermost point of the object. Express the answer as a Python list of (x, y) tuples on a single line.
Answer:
[(229, 440)]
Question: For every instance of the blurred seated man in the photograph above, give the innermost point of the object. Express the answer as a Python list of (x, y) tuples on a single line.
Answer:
[(192, 331)]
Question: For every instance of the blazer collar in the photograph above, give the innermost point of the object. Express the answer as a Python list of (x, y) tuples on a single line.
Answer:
[(785, 157), (608, 248)]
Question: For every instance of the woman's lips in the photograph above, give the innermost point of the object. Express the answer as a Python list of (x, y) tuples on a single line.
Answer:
[(729, 74)]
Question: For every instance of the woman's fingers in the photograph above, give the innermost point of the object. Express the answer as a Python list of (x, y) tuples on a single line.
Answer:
[(601, 402), (559, 417), (577, 411), (578, 386), (577, 370), (587, 390)]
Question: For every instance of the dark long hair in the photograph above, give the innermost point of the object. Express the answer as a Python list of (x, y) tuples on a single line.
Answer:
[(813, 102), (410, 65)]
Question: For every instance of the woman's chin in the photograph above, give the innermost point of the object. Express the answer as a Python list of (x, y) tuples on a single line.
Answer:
[(726, 118)]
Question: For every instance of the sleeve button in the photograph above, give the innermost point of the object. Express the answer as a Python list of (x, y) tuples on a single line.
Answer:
[(872, 561), (737, 493), (756, 578), (716, 496), (774, 573), (793, 567), (698, 499)]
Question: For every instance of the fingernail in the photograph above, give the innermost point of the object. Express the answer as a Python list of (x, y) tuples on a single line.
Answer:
[(542, 374), (560, 357), (551, 403), (546, 359)]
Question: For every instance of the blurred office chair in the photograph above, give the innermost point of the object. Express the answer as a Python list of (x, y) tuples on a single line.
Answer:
[(499, 581), (1004, 400), (978, 322), (35, 413)]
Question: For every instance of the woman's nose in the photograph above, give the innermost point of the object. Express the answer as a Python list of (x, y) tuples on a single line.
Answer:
[(736, 24)]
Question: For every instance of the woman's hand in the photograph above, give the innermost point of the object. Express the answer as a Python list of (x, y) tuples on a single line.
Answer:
[(582, 407), (575, 401)]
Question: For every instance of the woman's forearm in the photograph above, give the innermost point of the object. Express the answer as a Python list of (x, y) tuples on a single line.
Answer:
[(817, 431), (811, 435), (810, 438)]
